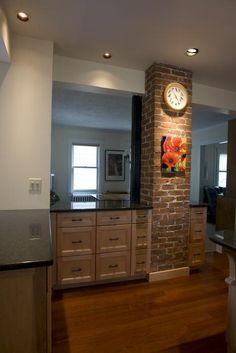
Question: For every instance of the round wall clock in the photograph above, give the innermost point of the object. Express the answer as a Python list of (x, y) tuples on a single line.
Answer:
[(176, 96)]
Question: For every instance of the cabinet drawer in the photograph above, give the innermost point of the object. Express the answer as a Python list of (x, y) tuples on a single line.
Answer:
[(113, 238), (196, 255), (76, 269), (197, 232), (76, 219), (141, 235), (113, 265), (140, 262), (75, 241), (198, 213), (113, 217), (140, 216)]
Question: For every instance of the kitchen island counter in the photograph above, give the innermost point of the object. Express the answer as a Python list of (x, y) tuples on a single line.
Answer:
[(25, 239)]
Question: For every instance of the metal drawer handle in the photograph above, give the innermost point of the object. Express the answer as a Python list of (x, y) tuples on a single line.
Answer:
[(114, 238), (77, 270), (141, 236), (77, 219), (198, 231), (76, 241), (199, 212), (198, 254), (141, 263), (114, 217), (144, 216), (113, 266)]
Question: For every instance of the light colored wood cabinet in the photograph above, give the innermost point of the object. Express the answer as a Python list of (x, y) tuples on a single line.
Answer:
[(113, 238), (112, 265), (197, 233), (141, 216), (76, 219), (25, 307), (140, 262), (113, 217), (75, 247), (100, 246), (141, 242), (141, 235), (76, 241), (76, 269)]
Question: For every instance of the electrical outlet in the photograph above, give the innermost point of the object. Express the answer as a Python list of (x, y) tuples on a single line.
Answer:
[(35, 231), (35, 185)]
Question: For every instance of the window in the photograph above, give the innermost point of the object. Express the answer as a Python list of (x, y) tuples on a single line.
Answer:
[(222, 170), (84, 168)]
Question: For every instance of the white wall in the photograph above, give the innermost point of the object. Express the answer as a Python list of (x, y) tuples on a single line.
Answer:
[(220, 99), (91, 74), (25, 123), (63, 137), (207, 136), (4, 38)]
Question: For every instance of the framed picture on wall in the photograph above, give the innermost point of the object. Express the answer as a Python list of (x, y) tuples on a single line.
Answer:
[(114, 165), (173, 155)]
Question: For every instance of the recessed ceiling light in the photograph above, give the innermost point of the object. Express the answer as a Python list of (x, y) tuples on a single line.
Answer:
[(192, 51), (22, 16), (107, 55)]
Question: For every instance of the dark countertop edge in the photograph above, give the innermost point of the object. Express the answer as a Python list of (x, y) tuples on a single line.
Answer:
[(221, 242), (25, 265), (101, 209)]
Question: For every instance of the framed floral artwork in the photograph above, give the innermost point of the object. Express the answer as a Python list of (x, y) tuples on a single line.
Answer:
[(173, 155)]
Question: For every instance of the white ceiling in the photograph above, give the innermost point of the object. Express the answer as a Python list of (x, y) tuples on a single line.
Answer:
[(92, 110), (138, 32)]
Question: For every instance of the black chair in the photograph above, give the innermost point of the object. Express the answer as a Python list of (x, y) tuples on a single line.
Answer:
[(210, 197)]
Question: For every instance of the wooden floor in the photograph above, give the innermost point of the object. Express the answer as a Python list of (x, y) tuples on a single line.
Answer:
[(184, 315)]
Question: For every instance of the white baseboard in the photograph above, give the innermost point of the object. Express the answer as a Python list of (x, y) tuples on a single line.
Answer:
[(168, 274)]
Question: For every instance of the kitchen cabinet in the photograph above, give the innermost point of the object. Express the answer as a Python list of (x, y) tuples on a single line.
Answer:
[(98, 246), (75, 247), (197, 234)]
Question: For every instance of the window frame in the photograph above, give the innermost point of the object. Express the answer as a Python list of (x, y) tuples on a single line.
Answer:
[(87, 191), (218, 167)]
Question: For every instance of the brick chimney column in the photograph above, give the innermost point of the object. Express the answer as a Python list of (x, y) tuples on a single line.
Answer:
[(169, 196)]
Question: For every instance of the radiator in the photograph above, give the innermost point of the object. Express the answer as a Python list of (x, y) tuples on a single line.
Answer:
[(82, 198)]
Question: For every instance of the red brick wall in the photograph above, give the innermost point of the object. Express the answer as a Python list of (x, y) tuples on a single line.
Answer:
[(169, 196)]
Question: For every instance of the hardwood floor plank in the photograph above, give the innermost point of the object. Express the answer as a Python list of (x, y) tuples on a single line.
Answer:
[(186, 314)]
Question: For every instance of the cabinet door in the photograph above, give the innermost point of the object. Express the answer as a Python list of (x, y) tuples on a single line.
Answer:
[(140, 216), (196, 255), (113, 217), (76, 219), (197, 231), (198, 213), (141, 235), (140, 262), (76, 269), (75, 241), (113, 238), (23, 308), (112, 265)]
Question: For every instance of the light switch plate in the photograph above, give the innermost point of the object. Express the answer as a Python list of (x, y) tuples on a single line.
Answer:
[(35, 185)]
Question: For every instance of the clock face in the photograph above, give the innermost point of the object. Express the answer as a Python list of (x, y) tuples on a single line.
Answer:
[(176, 96)]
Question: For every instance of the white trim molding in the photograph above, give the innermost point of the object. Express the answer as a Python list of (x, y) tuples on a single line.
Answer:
[(168, 274)]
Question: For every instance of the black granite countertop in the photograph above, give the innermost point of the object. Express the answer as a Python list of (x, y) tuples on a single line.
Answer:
[(25, 239), (105, 205), (226, 238)]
